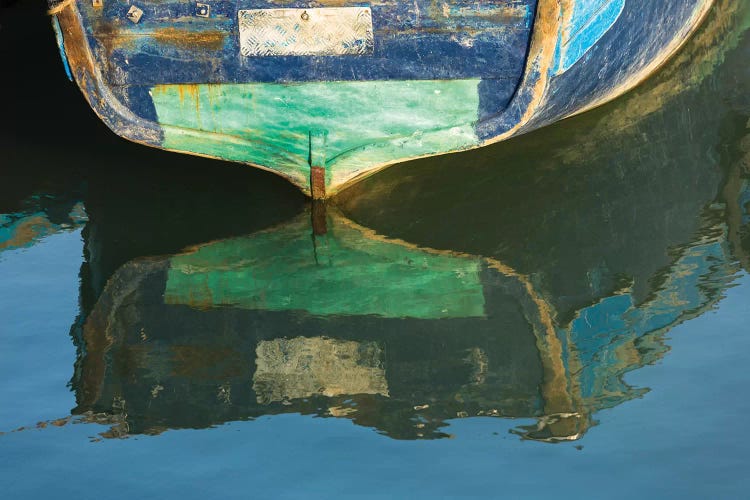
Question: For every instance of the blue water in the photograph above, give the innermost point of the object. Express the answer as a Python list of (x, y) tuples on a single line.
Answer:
[(610, 254), (685, 438)]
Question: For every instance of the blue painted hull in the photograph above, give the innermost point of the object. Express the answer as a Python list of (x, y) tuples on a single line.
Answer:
[(504, 67)]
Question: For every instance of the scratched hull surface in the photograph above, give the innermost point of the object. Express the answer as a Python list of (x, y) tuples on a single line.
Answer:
[(327, 93)]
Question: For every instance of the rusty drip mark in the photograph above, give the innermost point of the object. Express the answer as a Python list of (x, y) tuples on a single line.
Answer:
[(194, 92), (184, 90)]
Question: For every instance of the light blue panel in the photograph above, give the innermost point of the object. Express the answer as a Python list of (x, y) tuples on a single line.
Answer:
[(590, 20)]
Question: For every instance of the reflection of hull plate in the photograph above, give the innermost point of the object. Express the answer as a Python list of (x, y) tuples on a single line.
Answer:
[(304, 367)]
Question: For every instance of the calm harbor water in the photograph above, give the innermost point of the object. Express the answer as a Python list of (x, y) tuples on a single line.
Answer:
[(564, 314)]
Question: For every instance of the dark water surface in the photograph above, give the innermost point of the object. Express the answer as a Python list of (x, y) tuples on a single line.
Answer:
[(564, 314)]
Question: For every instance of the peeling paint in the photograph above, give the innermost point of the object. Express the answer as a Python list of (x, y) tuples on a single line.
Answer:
[(549, 59)]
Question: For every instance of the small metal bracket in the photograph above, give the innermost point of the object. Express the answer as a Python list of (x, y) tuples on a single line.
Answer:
[(134, 14), (202, 9)]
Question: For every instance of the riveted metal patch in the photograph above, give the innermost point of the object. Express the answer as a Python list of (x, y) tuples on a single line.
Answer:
[(134, 14), (323, 32)]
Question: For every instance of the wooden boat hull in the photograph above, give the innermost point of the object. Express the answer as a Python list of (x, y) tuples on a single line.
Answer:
[(388, 82)]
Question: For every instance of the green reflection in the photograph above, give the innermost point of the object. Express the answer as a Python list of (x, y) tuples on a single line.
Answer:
[(346, 273)]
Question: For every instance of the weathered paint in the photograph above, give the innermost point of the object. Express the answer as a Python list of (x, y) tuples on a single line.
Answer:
[(529, 63), (645, 35), (403, 118), (588, 21)]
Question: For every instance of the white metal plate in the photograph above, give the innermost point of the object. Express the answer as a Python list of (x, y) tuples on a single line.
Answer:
[(329, 31)]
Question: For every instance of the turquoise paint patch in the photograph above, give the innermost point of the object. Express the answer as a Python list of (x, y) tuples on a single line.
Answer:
[(590, 20), (366, 124)]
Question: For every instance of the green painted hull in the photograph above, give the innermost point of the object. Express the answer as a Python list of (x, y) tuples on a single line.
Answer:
[(271, 124)]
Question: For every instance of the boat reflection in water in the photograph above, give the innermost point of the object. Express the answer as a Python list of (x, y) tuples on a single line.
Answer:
[(529, 294), (355, 325), (352, 324)]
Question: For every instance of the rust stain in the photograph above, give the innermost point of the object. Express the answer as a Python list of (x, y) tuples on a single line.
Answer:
[(112, 36), (441, 12), (190, 40), (550, 20), (191, 91), (76, 45), (187, 93)]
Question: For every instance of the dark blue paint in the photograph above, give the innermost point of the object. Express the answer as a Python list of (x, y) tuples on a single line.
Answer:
[(139, 101), (641, 32), (407, 47)]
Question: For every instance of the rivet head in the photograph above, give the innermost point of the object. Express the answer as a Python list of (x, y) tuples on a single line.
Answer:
[(202, 9)]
